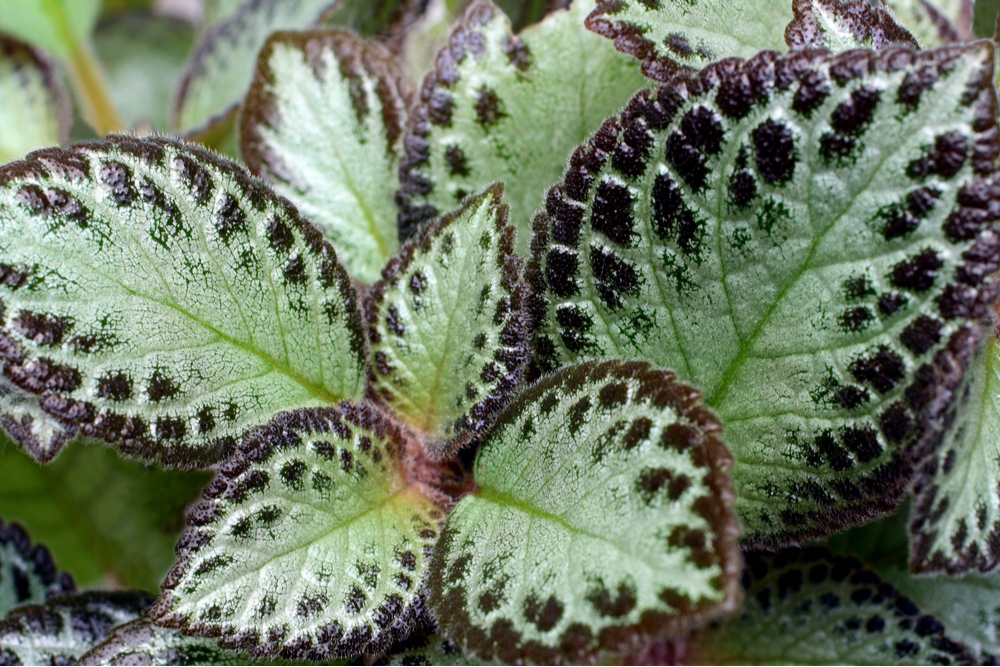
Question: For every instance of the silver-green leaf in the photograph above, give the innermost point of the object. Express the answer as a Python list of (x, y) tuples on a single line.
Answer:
[(840, 25), (934, 22), (27, 573), (36, 109), (139, 642)]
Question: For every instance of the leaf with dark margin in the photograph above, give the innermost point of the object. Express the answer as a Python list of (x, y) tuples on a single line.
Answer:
[(76, 506), (602, 519), (141, 643), (840, 25), (62, 630), (58, 26), (27, 573), (809, 607), (36, 109), (160, 298), (312, 542), (448, 325), (671, 36), (808, 239), (322, 123), (934, 22), (500, 107), (433, 650)]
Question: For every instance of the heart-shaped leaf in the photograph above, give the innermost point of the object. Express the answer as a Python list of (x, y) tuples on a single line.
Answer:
[(36, 109), (322, 122), (602, 519), (139, 642), (934, 22), (158, 297), (58, 26), (27, 573), (311, 543), (448, 325), (807, 239), (840, 25), (500, 107)]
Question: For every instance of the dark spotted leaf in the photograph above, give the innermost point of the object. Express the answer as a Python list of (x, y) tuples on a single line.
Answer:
[(500, 107), (142, 643), (57, 26), (62, 630), (602, 518), (840, 25), (322, 122), (809, 607), (934, 22), (312, 542), (448, 326), (27, 573), (160, 298), (36, 108), (675, 35), (808, 240)]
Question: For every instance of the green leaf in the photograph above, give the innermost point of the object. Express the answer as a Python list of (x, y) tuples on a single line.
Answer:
[(500, 107), (27, 573), (805, 239), (602, 519), (160, 298), (934, 22), (433, 650), (61, 631), (216, 11), (809, 607), (840, 25), (59, 26), (669, 36), (312, 541), (322, 122), (36, 109), (103, 518), (448, 326), (383, 18), (523, 13), (141, 643)]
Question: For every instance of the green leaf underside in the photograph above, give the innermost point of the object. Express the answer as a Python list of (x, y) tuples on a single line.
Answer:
[(436, 650), (27, 573), (934, 22), (222, 66), (141, 643), (804, 238), (61, 631), (672, 35), (500, 107), (322, 122), (310, 543), (808, 607), (447, 324), (36, 108), (75, 507), (602, 519), (160, 298), (840, 25), (59, 26)]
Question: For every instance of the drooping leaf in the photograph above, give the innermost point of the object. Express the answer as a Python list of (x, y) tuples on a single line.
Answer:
[(448, 325), (102, 517), (934, 22), (312, 542), (62, 630), (675, 35), (809, 607), (804, 238), (322, 123), (602, 519), (433, 650), (36, 108), (142, 643), (160, 298), (27, 573), (500, 107), (840, 25), (58, 26)]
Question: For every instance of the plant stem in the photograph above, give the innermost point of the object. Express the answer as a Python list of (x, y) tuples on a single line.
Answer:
[(91, 90)]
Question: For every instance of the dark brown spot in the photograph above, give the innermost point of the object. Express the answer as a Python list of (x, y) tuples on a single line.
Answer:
[(160, 386), (489, 108), (613, 276), (882, 370), (917, 274), (774, 144), (115, 386), (612, 213)]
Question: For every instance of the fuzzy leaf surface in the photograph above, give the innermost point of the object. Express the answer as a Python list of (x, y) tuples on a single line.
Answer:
[(322, 123), (934, 22), (808, 239), (36, 108), (27, 573), (673, 35), (840, 25), (602, 518), (500, 107), (139, 642), (160, 298), (448, 326), (311, 543), (58, 26)]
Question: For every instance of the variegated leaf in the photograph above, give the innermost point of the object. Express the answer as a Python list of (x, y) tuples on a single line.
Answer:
[(934, 22), (810, 241), (500, 107), (601, 519), (840, 25), (27, 573), (160, 298), (322, 123), (312, 542), (448, 326), (669, 36), (36, 108), (142, 643)]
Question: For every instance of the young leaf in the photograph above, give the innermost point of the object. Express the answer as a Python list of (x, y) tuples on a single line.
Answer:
[(322, 122), (809, 607), (934, 22), (59, 26), (602, 519), (840, 25), (806, 239), (160, 298), (448, 326), (36, 109), (669, 36), (139, 642), (311, 542), (500, 107), (27, 573), (62, 630)]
